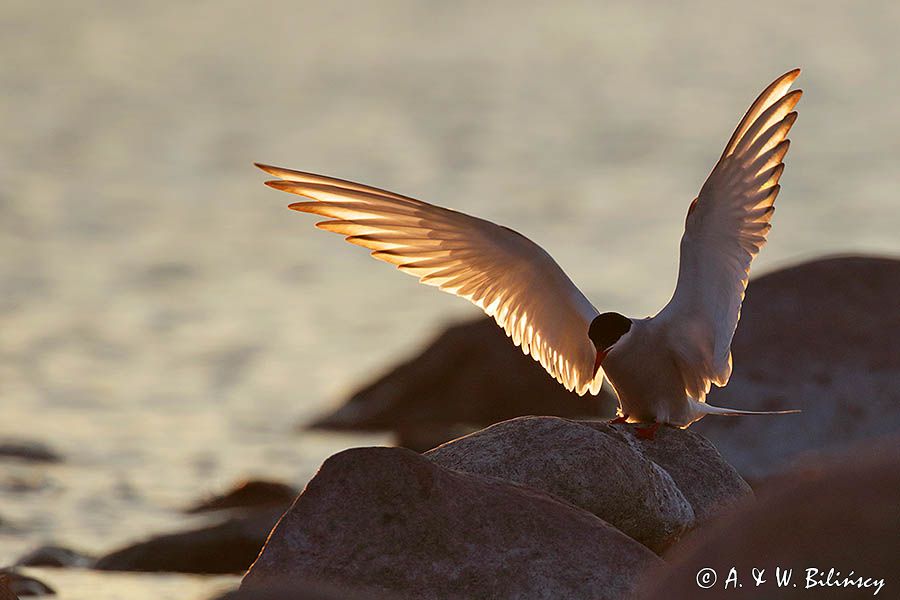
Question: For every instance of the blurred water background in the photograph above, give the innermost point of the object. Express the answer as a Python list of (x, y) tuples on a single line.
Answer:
[(165, 322)]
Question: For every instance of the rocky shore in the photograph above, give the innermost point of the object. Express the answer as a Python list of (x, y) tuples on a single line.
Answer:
[(551, 507)]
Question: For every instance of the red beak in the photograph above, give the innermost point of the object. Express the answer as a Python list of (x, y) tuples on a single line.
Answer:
[(601, 354)]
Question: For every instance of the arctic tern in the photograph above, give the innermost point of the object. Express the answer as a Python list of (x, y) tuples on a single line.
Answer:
[(661, 367)]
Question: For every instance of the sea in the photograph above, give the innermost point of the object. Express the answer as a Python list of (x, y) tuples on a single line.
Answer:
[(167, 326)]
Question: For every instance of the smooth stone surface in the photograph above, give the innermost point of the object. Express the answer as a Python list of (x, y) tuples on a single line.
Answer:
[(839, 512), (469, 377), (821, 337), (393, 521), (708, 482), (305, 591), (22, 585), (592, 466), (227, 547)]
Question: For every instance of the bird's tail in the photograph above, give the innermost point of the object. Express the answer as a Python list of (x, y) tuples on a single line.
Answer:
[(708, 409)]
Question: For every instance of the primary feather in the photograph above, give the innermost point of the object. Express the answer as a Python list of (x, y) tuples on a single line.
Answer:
[(504, 273), (725, 228)]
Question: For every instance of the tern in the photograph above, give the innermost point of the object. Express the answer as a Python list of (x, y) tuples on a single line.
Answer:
[(661, 367)]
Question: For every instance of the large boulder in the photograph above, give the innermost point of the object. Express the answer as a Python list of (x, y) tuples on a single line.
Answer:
[(394, 522), (606, 470), (707, 481), (226, 547), (469, 377), (836, 512), (820, 337)]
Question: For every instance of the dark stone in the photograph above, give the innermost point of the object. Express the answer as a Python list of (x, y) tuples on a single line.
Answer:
[(708, 482), (55, 556), (28, 451), (305, 591), (839, 511), (392, 521), (227, 547), (253, 494), (821, 337)]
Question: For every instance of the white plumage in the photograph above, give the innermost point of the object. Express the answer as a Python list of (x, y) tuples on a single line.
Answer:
[(661, 367)]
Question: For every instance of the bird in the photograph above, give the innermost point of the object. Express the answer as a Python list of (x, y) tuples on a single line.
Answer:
[(661, 367)]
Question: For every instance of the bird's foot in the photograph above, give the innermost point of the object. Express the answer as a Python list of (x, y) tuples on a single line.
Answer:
[(617, 420), (647, 433)]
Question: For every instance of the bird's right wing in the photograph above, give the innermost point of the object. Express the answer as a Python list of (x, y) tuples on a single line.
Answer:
[(504, 273), (725, 228)]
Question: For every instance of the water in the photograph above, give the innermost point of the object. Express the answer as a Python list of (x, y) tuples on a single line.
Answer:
[(165, 322)]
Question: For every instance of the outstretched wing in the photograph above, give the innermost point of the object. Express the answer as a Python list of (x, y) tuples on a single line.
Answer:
[(504, 273), (725, 228)]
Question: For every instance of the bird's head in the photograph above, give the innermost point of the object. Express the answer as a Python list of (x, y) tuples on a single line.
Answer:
[(606, 329)]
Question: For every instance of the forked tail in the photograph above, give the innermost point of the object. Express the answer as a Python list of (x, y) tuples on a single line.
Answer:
[(708, 409)]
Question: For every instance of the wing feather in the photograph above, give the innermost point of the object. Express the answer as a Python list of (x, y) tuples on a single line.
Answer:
[(504, 273), (725, 229)]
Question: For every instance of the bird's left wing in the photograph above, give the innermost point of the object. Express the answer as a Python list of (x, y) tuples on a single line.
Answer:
[(725, 228), (504, 273)]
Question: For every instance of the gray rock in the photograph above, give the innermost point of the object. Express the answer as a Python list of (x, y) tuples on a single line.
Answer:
[(821, 337), (28, 451), (227, 547), (591, 465), (838, 512), (306, 591), (390, 520), (19, 584), (55, 556), (708, 482)]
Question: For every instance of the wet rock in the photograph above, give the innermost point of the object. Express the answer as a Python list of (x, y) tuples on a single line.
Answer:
[(248, 495), (836, 513), (821, 337), (595, 466), (55, 556), (469, 377), (227, 547), (22, 585), (391, 520), (28, 451)]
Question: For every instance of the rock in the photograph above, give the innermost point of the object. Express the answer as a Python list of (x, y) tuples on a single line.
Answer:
[(469, 377), (252, 494), (227, 547), (393, 521), (23, 585), (306, 591), (28, 451), (837, 513), (6, 592), (821, 337), (595, 466), (55, 556), (707, 481)]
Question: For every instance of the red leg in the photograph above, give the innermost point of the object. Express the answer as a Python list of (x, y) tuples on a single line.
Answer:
[(621, 419), (647, 433)]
